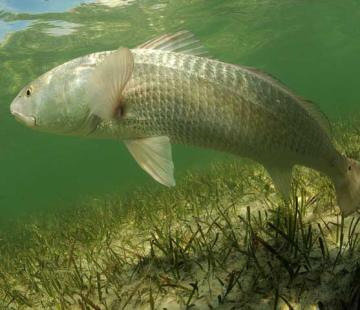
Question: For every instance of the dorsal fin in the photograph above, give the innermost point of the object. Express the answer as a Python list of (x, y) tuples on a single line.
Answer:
[(183, 42), (307, 105)]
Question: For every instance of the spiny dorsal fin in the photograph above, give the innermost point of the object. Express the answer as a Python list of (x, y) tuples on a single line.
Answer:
[(307, 105), (108, 81), (183, 42), (154, 156)]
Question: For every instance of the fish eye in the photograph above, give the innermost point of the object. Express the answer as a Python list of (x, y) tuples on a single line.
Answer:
[(349, 168), (28, 92)]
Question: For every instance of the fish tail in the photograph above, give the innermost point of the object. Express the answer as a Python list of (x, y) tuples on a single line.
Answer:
[(347, 187)]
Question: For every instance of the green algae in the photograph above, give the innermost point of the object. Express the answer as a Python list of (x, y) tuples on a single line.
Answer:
[(220, 239)]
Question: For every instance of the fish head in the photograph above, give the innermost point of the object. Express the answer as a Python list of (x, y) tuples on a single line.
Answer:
[(23, 107), (52, 103), (347, 186)]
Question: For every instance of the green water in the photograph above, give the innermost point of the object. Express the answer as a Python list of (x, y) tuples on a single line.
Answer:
[(312, 46)]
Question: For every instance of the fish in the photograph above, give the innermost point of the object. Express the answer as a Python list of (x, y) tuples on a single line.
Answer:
[(169, 90)]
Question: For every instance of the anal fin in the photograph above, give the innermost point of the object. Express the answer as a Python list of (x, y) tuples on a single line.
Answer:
[(281, 176)]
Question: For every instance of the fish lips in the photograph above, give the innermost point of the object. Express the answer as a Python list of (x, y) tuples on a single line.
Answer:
[(29, 121)]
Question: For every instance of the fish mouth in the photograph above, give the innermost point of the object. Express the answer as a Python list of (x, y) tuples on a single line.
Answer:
[(29, 121)]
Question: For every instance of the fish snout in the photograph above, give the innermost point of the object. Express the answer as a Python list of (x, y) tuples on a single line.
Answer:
[(15, 110)]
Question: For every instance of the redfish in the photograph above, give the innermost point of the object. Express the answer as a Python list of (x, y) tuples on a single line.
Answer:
[(167, 91)]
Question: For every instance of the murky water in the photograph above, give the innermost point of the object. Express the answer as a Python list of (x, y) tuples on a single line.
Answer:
[(312, 46)]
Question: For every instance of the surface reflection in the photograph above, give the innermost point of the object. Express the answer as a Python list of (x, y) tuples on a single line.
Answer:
[(9, 27), (39, 6), (114, 3), (61, 28)]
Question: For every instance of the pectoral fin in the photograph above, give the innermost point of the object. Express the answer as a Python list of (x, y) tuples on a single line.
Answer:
[(154, 156), (107, 83), (281, 176)]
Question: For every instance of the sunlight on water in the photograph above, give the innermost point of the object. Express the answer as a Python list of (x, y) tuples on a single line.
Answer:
[(115, 3), (61, 28), (39, 6), (8, 27)]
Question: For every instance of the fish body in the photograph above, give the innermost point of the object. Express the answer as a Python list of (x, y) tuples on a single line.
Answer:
[(161, 93), (208, 103)]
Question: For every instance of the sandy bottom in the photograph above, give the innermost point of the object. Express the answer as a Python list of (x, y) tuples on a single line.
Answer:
[(223, 239)]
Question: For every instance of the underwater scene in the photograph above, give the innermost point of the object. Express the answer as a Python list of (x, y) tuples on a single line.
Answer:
[(179, 154)]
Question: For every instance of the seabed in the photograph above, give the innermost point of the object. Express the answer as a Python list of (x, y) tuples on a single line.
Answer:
[(222, 239)]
